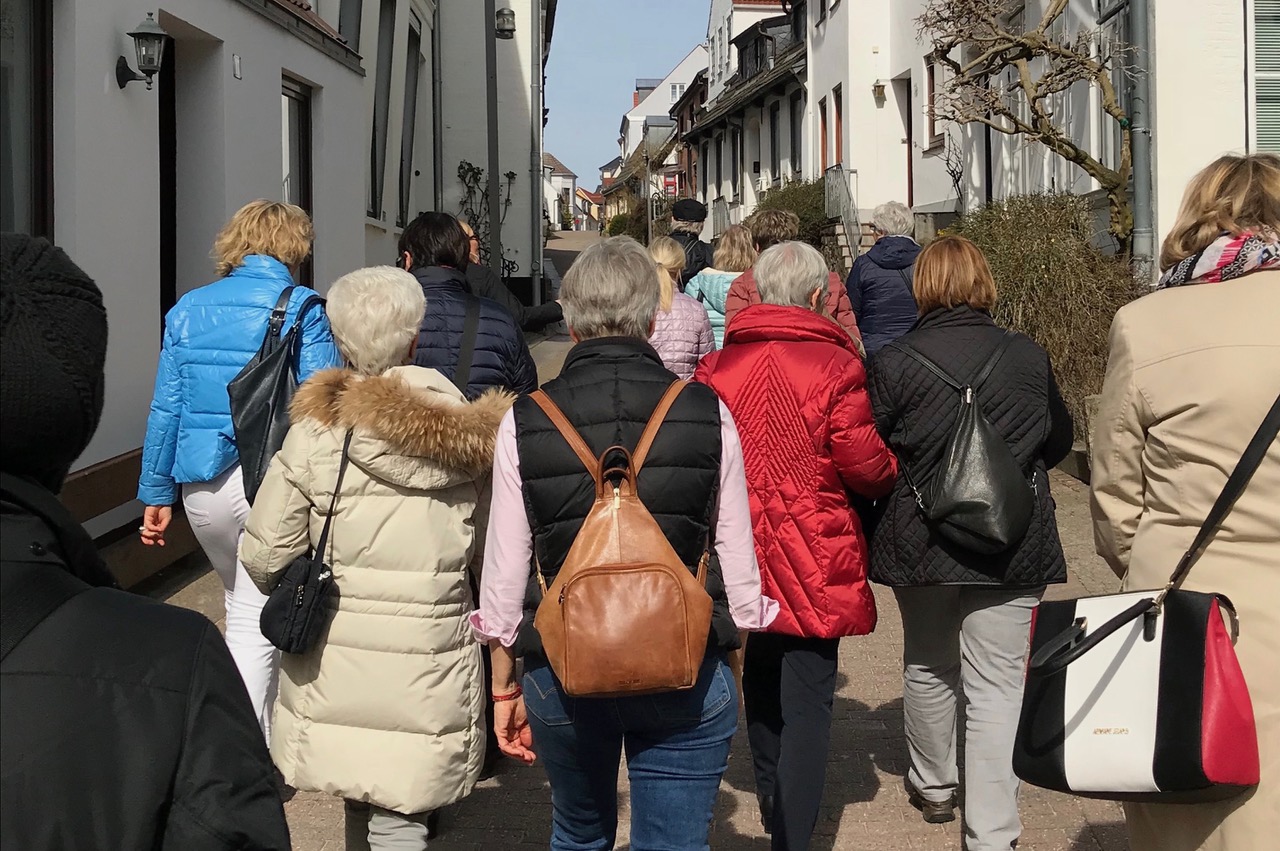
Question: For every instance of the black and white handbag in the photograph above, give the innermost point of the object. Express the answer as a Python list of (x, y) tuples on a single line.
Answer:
[(1139, 696)]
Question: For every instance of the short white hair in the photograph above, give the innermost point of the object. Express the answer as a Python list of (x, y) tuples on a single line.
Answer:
[(893, 219), (375, 313), (789, 273), (611, 290)]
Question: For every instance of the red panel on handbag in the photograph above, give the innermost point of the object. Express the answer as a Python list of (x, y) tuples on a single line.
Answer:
[(1228, 737)]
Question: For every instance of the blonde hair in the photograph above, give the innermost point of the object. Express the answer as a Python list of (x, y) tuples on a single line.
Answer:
[(950, 272), (273, 228), (611, 290), (1234, 194), (375, 314), (669, 256), (736, 252)]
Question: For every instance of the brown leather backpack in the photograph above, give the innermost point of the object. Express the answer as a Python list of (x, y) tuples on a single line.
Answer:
[(624, 615)]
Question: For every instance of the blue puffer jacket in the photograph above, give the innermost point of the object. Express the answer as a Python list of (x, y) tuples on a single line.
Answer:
[(501, 356), (879, 288), (209, 336)]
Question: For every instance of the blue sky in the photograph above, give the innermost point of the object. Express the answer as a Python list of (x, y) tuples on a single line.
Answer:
[(598, 49)]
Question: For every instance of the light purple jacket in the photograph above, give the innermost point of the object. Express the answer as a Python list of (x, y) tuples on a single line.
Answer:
[(682, 335)]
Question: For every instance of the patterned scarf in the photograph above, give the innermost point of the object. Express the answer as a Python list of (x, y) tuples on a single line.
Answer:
[(1224, 259)]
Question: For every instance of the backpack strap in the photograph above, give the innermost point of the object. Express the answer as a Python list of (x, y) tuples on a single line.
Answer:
[(467, 352), (32, 598), (988, 365), (276, 322), (567, 431), (655, 422)]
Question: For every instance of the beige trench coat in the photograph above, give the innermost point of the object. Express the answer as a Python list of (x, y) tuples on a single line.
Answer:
[(388, 707), (1193, 370)]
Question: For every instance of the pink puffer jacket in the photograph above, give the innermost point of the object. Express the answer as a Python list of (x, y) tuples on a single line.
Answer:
[(682, 335)]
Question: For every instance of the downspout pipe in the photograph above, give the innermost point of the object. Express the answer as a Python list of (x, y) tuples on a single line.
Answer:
[(1144, 234), (535, 156), (491, 98)]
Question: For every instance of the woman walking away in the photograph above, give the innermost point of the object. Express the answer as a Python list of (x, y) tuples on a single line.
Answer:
[(795, 384), (209, 336), (385, 710), (734, 255), (692, 486), (880, 282), (966, 616), (1193, 370), (768, 228), (682, 333)]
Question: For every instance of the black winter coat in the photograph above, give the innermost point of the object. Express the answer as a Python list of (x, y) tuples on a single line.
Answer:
[(484, 282), (697, 255), (501, 356), (879, 288), (608, 389), (916, 411), (125, 722)]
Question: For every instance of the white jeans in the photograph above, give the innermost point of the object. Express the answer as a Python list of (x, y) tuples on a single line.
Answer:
[(973, 638), (217, 511)]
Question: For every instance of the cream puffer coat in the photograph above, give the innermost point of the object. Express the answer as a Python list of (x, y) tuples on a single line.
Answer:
[(1193, 370), (388, 707)]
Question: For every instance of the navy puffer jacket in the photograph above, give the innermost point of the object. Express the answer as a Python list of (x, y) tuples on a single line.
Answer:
[(501, 356), (879, 288)]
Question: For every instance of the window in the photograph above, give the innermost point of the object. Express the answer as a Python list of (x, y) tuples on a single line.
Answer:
[(796, 116), (349, 14), (26, 107), (719, 163), (735, 172), (822, 132), (381, 108), (775, 146), (704, 159), (412, 72), (799, 16), (677, 91), (1266, 47), (295, 101), (933, 83), (1113, 42), (837, 102), (822, 10)]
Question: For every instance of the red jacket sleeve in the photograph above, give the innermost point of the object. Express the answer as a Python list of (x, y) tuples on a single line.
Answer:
[(839, 308), (739, 296), (865, 463), (706, 367)]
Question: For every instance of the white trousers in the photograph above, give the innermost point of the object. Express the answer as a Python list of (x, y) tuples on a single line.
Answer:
[(217, 511), (373, 828), (976, 639)]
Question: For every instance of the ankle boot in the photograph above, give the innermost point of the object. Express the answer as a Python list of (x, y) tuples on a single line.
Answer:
[(766, 812)]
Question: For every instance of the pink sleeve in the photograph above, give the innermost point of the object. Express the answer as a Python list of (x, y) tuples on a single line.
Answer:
[(734, 545), (508, 546)]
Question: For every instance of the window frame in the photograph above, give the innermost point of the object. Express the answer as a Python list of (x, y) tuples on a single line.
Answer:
[(381, 125), (408, 119), (795, 108), (775, 142), (296, 91), (934, 132), (823, 152), (837, 106), (38, 207)]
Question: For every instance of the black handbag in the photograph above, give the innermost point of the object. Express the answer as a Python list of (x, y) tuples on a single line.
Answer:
[(296, 610), (979, 497), (261, 392), (1139, 696)]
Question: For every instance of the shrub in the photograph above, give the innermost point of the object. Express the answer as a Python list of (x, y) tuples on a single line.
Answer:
[(1054, 284), (617, 225), (805, 198)]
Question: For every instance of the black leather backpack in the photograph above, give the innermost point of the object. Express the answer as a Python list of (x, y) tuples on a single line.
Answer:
[(979, 497)]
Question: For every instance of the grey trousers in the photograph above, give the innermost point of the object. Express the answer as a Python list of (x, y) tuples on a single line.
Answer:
[(976, 639), (372, 828)]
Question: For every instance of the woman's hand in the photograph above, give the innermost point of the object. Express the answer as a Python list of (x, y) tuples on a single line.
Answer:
[(511, 726), (155, 520)]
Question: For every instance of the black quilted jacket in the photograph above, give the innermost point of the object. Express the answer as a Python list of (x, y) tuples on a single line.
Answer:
[(915, 412)]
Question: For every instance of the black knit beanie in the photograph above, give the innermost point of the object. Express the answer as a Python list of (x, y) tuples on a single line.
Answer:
[(53, 347)]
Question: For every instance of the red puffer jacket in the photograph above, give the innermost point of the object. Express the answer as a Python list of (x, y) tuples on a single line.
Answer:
[(797, 391)]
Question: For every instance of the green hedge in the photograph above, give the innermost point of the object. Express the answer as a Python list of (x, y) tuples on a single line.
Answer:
[(805, 198), (1054, 284)]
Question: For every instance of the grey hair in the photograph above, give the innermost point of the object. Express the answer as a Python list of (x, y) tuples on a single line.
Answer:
[(893, 219), (375, 314), (679, 226), (789, 273), (611, 290)]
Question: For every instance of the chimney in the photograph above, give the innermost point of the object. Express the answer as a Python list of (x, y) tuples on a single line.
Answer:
[(635, 99)]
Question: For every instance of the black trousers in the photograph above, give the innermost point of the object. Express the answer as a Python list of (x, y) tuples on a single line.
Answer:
[(788, 687)]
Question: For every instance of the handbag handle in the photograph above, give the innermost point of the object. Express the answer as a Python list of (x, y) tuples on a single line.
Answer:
[(333, 503)]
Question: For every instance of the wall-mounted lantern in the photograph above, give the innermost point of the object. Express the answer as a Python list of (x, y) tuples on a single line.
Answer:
[(148, 40), (504, 23), (877, 90)]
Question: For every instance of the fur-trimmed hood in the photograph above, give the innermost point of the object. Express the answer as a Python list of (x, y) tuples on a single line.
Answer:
[(411, 425)]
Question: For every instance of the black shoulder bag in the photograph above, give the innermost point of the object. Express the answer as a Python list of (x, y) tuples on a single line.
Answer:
[(296, 612), (979, 497), (260, 394)]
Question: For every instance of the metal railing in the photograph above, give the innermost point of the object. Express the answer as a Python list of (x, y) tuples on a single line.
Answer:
[(842, 201), (719, 217)]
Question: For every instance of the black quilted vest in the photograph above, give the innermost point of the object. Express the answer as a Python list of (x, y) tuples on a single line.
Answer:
[(608, 389), (916, 412)]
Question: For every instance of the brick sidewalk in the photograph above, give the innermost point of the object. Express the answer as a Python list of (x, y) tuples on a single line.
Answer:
[(864, 806)]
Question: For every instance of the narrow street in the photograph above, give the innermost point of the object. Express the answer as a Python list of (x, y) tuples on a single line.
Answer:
[(865, 807)]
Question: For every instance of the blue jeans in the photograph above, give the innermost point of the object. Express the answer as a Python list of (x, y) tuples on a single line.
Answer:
[(677, 747)]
